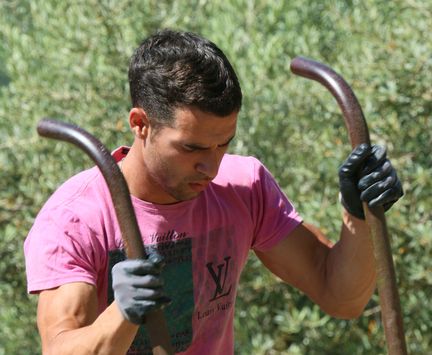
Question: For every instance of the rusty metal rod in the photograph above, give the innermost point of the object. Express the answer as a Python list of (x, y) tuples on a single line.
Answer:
[(358, 133), (156, 324)]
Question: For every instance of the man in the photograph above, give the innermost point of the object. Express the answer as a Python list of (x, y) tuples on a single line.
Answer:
[(200, 211)]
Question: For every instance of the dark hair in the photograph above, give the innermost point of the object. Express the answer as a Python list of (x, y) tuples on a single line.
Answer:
[(171, 69)]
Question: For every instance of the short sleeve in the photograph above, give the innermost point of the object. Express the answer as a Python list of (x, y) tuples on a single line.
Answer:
[(61, 249), (274, 215)]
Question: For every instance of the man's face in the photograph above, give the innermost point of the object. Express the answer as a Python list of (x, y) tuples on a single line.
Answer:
[(182, 160)]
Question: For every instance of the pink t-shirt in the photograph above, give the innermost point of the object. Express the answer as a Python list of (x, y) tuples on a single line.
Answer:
[(205, 243)]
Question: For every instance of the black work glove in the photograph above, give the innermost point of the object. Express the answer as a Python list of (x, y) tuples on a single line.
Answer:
[(137, 287), (367, 175)]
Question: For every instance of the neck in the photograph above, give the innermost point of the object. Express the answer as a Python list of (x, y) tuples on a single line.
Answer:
[(140, 183), (130, 165)]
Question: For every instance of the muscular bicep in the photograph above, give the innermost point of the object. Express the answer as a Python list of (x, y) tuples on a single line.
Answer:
[(67, 307), (299, 259)]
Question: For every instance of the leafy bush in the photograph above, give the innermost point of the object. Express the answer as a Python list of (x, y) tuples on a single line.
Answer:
[(68, 60)]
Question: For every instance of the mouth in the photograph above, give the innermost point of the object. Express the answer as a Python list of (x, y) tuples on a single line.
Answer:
[(198, 186)]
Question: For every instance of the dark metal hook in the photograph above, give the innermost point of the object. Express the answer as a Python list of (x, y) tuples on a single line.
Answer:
[(358, 133), (155, 321)]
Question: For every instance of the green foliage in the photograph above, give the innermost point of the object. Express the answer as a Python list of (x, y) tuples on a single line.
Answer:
[(68, 60)]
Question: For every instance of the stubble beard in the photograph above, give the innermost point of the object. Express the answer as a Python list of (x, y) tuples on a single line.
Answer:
[(179, 191)]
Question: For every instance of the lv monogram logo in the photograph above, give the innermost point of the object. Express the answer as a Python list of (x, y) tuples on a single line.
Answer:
[(219, 278)]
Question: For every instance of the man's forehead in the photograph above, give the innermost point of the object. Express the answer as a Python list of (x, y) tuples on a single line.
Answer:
[(195, 119)]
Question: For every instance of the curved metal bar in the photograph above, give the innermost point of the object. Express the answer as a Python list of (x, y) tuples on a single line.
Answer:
[(358, 133), (126, 218), (341, 91)]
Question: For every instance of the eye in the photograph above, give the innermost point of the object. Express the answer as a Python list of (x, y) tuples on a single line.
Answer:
[(224, 145), (191, 148)]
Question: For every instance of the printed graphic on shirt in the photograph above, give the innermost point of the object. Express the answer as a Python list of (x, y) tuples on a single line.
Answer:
[(221, 289), (217, 273), (219, 278), (208, 275), (177, 274)]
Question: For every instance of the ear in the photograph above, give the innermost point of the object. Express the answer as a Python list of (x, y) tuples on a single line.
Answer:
[(139, 122)]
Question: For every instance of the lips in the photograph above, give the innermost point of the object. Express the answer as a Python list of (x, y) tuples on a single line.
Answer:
[(198, 186)]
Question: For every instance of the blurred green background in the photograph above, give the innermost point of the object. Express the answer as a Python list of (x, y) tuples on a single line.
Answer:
[(68, 60)]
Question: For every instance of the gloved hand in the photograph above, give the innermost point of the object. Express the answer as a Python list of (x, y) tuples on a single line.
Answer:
[(137, 287), (367, 175)]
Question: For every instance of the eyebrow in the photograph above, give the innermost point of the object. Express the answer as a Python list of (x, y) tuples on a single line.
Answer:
[(199, 147)]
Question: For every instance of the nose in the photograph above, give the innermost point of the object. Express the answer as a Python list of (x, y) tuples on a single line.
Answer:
[(209, 163)]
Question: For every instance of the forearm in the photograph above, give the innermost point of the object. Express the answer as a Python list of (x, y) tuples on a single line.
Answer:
[(350, 269), (110, 333)]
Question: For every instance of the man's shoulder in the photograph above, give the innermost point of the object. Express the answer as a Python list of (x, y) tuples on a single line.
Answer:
[(81, 194), (242, 161), (238, 170)]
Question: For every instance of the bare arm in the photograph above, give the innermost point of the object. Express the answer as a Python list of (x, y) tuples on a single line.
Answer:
[(340, 278), (68, 323)]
